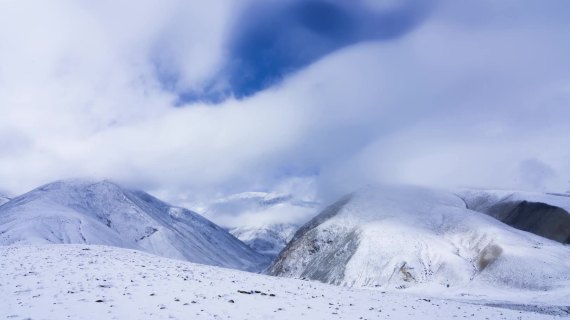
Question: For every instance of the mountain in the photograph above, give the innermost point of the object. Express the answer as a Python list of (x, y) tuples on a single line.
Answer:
[(104, 213), (267, 239), (98, 282), (260, 208), (264, 221), (544, 214), (406, 237), (3, 199)]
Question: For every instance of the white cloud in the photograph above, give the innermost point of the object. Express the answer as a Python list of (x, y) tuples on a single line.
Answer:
[(456, 102)]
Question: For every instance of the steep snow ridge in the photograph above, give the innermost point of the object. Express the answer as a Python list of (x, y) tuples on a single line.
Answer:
[(543, 214), (97, 282), (76, 211), (267, 239), (402, 237)]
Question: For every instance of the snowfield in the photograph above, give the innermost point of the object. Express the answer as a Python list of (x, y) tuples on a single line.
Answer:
[(99, 282)]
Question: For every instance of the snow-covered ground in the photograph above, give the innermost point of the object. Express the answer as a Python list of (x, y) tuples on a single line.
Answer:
[(99, 282)]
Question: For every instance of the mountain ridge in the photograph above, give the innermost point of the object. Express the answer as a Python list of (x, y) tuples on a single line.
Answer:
[(406, 237), (83, 211)]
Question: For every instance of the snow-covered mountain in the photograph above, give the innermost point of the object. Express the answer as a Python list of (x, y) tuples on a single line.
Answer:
[(104, 213), (3, 199), (267, 239), (260, 208), (414, 237), (264, 221), (98, 282), (544, 214)]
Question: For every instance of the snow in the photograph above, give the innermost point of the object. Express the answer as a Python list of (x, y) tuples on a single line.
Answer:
[(99, 282), (268, 239), (264, 221), (481, 199), (259, 209), (546, 215), (76, 211), (413, 238), (3, 199)]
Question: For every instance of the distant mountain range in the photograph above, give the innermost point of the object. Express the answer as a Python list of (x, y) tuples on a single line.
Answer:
[(264, 221), (391, 237), (267, 239), (544, 214)]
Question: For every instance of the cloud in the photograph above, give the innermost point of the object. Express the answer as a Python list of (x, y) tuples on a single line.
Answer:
[(272, 39), (477, 94)]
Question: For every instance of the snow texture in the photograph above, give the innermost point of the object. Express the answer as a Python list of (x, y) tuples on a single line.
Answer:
[(98, 282), (3, 199), (411, 237), (84, 212), (544, 214), (267, 239)]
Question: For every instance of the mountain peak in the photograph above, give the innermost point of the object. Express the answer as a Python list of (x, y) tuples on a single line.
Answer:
[(103, 212)]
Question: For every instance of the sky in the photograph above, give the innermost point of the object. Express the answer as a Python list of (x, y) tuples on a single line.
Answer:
[(192, 100)]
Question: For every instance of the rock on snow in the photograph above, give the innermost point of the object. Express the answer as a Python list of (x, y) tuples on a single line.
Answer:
[(98, 282)]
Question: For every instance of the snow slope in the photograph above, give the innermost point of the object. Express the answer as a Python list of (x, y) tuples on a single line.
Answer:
[(268, 239), (3, 199), (543, 214), (104, 213), (410, 237), (98, 282)]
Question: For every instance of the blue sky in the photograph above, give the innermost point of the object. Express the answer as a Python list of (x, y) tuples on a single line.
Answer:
[(270, 40), (194, 99)]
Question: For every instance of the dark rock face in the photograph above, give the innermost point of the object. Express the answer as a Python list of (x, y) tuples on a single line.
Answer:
[(327, 251), (539, 218)]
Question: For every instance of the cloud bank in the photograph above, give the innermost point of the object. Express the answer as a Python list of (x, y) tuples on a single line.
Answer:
[(446, 93)]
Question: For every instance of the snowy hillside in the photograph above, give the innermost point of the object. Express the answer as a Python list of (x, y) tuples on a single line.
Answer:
[(97, 282), (543, 214), (105, 213), (3, 199), (406, 237), (267, 239)]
